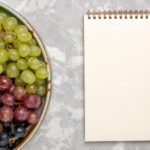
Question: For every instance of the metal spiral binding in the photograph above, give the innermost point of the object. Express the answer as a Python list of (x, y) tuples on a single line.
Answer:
[(121, 14)]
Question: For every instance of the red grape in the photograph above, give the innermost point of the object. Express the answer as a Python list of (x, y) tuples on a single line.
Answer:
[(33, 117), (1, 128), (11, 89), (8, 99), (5, 83), (6, 114), (21, 113), (19, 92), (32, 101)]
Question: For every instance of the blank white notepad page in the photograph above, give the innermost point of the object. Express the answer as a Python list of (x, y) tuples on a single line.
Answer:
[(117, 79)]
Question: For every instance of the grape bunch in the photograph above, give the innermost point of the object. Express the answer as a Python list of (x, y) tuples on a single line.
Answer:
[(23, 81)]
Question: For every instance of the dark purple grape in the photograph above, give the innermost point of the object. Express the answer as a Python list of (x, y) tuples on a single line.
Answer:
[(18, 123), (3, 139), (6, 124), (24, 124), (5, 83), (21, 113), (11, 145), (8, 99), (33, 117), (19, 131), (6, 114), (9, 130), (32, 101), (19, 92), (3, 147)]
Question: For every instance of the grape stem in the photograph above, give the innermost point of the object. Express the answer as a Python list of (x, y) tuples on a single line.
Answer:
[(2, 34), (9, 46), (12, 139), (29, 128)]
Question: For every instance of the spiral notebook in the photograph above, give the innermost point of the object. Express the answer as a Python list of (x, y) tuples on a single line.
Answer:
[(117, 76)]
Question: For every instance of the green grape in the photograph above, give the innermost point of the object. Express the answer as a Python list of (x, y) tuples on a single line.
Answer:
[(34, 63), (28, 76), (12, 70), (9, 38), (21, 28), (3, 56), (24, 36), (41, 73), (2, 44), (41, 90), (32, 42), (13, 54), (3, 16), (35, 51), (40, 82), (42, 63), (31, 88), (4, 67), (0, 27), (10, 24), (19, 82), (22, 64), (1, 69), (24, 50), (17, 43)]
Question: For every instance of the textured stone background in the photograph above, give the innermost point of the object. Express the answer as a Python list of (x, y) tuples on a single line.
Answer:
[(60, 24)]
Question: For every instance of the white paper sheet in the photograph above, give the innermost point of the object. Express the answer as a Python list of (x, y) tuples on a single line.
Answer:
[(117, 79)]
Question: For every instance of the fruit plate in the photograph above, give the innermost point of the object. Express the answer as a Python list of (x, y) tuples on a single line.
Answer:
[(31, 129)]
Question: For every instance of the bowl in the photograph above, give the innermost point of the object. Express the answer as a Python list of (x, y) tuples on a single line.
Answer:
[(46, 99)]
